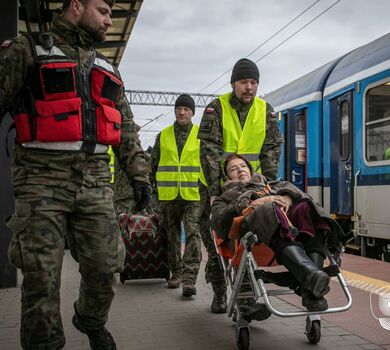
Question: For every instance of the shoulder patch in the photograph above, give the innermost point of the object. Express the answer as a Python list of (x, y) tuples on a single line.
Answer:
[(206, 126), (6, 43), (273, 114), (209, 110)]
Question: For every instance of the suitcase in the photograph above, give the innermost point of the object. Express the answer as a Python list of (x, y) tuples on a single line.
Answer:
[(146, 246)]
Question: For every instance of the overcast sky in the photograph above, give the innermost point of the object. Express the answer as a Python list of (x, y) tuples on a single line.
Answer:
[(183, 45)]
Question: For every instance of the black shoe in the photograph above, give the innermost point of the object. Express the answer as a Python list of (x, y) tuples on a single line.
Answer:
[(174, 282), (254, 311), (219, 305), (99, 339), (189, 289), (312, 303)]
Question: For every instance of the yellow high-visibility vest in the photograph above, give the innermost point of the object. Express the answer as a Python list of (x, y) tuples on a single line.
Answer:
[(248, 141), (112, 164), (179, 175)]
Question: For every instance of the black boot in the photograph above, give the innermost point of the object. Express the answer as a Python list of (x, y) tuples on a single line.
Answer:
[(317, 259), (309, 276), (311, 302), (252, 310), (99, 339), (219, 305)]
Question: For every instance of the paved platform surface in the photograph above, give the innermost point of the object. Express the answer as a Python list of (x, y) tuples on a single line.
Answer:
[(146, 315)]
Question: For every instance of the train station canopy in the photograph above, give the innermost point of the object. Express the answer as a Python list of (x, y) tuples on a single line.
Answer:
[(36, 15)]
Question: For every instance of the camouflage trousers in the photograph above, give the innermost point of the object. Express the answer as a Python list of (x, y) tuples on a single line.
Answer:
[(43, 216), (174, 212), (214, 270)]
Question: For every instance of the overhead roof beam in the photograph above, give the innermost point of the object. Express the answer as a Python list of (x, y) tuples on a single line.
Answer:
[(47, 15), (110, 44), (123, 13)]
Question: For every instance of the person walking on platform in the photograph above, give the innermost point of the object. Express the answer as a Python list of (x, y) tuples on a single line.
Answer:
[(176, 172), (68, 106), (235, 122)]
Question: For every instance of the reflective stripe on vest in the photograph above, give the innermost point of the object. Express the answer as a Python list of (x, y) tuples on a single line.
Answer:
[(176, 175), (248, 141), (69, 111), (112, 164)]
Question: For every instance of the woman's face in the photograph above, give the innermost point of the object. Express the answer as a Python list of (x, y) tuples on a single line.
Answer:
[(237, 170)]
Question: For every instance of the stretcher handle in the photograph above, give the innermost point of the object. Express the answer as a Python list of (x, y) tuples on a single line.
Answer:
[(249, 240)]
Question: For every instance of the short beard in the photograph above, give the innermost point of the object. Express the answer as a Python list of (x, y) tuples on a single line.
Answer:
[(240, 99), (97, 35)]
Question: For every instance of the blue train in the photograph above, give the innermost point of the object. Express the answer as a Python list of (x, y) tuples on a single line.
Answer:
[(336, 125)]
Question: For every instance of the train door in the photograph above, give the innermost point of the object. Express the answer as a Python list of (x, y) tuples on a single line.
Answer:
[(295, 148), (341, 155)]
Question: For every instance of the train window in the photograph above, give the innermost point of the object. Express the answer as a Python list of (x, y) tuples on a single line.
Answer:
[(377, 123), (344, 130), (300, 139)]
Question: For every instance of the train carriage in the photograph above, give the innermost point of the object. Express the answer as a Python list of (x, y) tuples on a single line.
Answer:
[(336, 125)]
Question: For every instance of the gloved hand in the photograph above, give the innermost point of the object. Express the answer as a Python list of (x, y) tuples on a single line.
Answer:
[(142, 194)]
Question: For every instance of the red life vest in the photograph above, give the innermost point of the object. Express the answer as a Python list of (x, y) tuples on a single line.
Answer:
[(63, 105)]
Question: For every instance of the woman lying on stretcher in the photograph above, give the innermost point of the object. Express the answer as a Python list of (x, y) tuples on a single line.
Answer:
[(284, 218)]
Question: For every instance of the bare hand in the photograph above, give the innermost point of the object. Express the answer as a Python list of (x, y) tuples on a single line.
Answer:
[(284, 202)]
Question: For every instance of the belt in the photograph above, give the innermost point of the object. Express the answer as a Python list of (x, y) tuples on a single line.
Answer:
[(63, 146)]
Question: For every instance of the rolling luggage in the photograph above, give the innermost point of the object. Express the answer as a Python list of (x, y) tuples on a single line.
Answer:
[(146, 246)]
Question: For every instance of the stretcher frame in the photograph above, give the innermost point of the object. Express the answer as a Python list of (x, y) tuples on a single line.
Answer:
[(234, 278)]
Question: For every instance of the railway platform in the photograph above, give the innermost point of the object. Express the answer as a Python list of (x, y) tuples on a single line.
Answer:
[(145, 315)]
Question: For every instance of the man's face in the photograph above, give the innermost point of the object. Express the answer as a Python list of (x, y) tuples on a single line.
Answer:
[(183, 115), (95, 19), (245, 89)]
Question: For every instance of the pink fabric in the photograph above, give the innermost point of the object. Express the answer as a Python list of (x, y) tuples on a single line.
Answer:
[(303, 217)]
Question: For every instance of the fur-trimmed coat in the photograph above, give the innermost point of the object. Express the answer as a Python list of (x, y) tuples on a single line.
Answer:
[(236, 196)]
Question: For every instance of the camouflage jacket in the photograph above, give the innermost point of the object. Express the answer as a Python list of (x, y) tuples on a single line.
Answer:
[(16, 63), (181, 135), (211, 140)]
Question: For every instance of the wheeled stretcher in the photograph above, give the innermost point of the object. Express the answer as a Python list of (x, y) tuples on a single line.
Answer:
[(250, 259)]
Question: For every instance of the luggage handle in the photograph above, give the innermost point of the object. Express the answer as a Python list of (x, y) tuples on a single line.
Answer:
[(148, 210)]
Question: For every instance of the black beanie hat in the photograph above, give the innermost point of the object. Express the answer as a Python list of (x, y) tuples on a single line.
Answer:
[(244, 69), (185, 101)]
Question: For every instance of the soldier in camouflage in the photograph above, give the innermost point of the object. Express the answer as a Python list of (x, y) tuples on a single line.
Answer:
[(216, 142), (175, 156), (68, 105), (123, 191)]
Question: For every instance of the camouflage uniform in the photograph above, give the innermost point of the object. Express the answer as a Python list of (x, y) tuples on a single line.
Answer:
[(123, 191), (211, 140), (64, 191), (175, 211)]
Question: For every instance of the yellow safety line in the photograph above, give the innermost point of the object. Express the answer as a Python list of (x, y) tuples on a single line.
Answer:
[(364, 282)]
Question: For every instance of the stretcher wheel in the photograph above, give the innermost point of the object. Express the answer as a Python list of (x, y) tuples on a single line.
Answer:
[(314, 335), (243, 338), (122, 278)]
